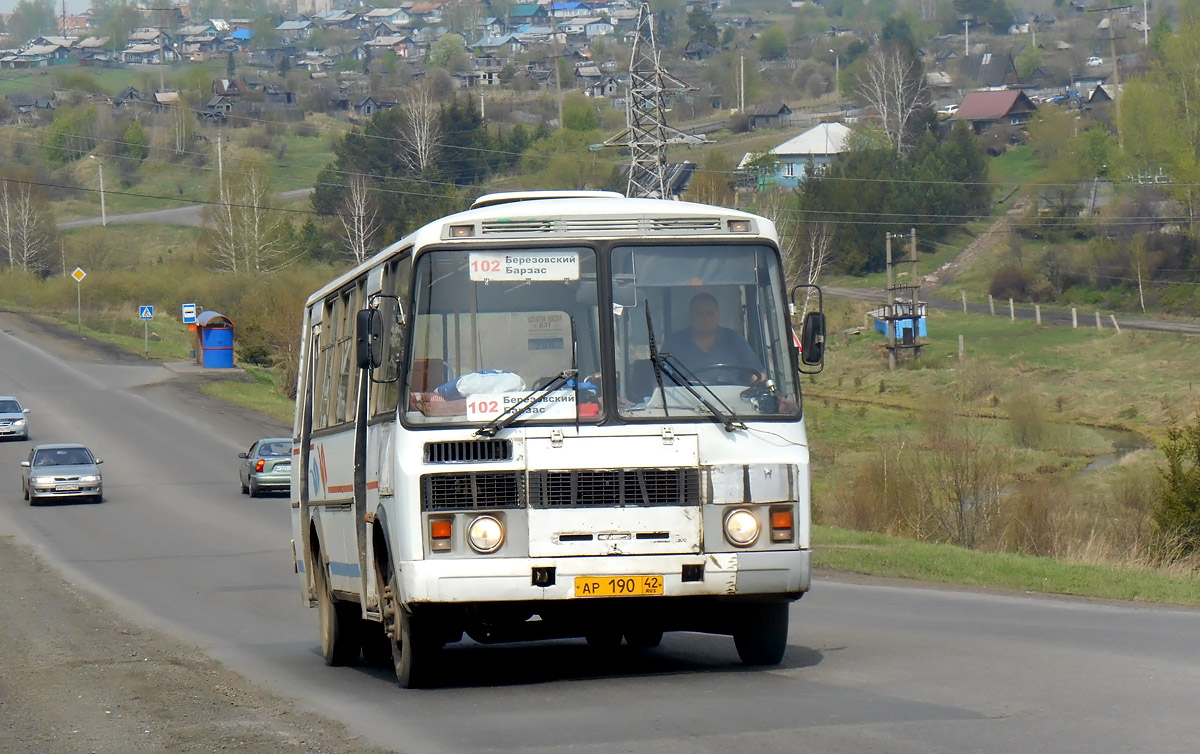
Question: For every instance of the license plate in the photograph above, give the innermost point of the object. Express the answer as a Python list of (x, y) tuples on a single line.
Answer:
[(66, 488), (617, 586), (283, 467)]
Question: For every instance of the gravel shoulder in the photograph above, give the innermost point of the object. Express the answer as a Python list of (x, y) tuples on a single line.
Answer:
[(77, 677)]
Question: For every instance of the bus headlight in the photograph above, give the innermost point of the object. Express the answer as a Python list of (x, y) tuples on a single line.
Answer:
[(485, 534), (741, 528)]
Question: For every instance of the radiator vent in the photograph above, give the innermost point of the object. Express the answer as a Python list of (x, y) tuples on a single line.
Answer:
[(472, 490), (468, 451), (601, 226), (693, 224), (584, 488)]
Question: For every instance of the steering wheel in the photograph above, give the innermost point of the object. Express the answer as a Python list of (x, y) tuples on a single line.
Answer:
[(725, 374)]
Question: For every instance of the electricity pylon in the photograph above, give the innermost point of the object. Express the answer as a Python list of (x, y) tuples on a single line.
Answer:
[(646, 132)]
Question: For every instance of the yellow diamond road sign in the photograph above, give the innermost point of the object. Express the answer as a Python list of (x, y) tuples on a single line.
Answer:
[(79, 274)]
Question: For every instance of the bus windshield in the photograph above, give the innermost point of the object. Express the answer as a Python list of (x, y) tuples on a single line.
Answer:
[(701, 327), (493, 325)]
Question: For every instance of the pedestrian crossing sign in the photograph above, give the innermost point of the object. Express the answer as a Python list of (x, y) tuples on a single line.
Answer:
[(146, 312)]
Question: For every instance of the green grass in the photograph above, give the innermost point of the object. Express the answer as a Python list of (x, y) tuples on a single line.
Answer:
[(894, 557), (261, 395), (1018, 165)]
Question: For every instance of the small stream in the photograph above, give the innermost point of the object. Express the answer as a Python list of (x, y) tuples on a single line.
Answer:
[(1123, 443)]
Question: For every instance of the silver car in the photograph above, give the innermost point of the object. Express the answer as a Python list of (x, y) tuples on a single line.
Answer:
[(61, 470), (13, 422), (266, 466)]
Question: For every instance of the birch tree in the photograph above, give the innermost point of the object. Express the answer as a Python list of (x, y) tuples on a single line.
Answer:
[(359, 217), (893, 86), (27, 229), (421, 135), (806, 245), (245, 234)]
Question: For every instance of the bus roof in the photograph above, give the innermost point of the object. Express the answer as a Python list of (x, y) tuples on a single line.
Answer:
[(541, 216), (508, 197)]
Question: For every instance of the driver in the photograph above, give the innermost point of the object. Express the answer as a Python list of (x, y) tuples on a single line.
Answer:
[(705, 343)]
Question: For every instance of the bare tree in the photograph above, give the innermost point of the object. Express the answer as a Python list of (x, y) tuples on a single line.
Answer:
[(422, 134), (955, 481), (244, 231), (27, 229), (804, 244), (359, 218), (892, 86)]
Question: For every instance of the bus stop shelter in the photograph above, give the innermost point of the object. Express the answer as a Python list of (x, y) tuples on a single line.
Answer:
[(214, 340)]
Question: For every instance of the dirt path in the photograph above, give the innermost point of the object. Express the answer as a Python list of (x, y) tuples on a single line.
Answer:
[(984, 245)]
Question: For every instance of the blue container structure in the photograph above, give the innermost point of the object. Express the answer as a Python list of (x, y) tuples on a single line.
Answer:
[(215, 334)]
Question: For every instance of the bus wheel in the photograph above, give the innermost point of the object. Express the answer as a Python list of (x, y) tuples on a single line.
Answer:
[(414, 649), (761, 636), (339, 623), (644, 638)]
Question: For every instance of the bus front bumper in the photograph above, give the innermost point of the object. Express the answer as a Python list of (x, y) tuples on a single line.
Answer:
[(476, 580)]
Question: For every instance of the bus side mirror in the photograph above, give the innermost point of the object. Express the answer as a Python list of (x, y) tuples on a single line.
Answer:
[(368, 343), (812, 340)]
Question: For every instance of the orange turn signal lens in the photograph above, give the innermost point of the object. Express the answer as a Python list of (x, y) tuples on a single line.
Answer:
[(439, 535), (781, 525)]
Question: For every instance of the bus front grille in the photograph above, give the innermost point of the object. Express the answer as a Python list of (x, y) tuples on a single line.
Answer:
[(585, 488), (472, 490), (468, 451)]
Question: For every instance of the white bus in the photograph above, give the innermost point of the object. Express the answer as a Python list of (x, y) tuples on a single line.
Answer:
[(557, 414)]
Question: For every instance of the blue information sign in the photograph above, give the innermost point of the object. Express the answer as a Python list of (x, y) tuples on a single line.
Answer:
[(146, 312)]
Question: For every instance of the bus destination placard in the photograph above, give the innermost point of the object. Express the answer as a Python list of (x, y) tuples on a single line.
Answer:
[(559, 405), (524, 265)]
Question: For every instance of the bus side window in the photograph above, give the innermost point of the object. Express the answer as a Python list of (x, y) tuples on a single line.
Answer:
[(324, 387), (395, 287), (347, 311)]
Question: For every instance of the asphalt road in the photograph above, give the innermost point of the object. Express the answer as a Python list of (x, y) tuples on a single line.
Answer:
[(188, 214), (870, 667)]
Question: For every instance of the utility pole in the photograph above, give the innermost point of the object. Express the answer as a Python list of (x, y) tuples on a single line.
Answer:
[(556, 57), (1116, 77), (741, 84), (647, 133)]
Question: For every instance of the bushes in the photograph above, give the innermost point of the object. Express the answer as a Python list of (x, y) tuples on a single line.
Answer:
[(1178, 510), (1011, 281)]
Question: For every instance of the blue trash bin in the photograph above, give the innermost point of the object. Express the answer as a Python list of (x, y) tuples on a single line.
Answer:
[(215, 332)]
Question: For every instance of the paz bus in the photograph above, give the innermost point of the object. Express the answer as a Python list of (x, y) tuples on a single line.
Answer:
[(555, 415)]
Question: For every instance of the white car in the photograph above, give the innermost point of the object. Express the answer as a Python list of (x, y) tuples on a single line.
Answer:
[(948, 110), (12, 418), (1095, 62)]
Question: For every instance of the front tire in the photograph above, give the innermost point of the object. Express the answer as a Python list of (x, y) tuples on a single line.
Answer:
[(340, 640), (761, 636), (413, 643)]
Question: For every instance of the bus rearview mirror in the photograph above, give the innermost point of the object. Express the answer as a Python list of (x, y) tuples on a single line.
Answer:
[(812, 339), (368, 343)]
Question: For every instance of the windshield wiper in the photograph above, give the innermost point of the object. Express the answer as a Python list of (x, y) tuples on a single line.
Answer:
[(654, 358), (685, 378), (665, 363), (510, 415)]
